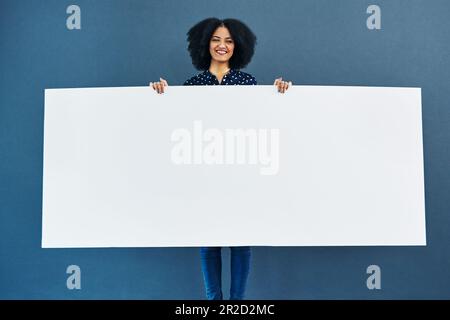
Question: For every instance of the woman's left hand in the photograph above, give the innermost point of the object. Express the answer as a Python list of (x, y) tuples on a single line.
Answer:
[(282, 85)]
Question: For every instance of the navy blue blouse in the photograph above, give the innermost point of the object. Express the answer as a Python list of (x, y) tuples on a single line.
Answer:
[(233, 77)]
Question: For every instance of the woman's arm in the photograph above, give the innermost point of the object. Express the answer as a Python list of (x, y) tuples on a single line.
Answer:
[(281, 85)]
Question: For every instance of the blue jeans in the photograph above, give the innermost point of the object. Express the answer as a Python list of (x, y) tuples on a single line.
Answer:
[(211, 258)]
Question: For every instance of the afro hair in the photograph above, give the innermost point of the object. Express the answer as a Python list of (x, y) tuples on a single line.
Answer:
[(199, 37)]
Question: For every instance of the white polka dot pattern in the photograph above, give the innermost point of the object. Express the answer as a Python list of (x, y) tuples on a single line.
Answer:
[(233, 77)]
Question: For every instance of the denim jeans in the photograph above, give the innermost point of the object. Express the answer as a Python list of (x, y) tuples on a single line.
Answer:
[(211, 259)]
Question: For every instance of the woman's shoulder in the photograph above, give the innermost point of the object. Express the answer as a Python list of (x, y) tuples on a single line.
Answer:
[(195, 80), (245, 78), (244, 74)]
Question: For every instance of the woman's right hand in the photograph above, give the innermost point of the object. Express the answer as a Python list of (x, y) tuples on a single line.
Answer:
[(159, 86)]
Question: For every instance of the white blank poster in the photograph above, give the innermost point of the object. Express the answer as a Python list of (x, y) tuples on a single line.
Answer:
[(233, 166)]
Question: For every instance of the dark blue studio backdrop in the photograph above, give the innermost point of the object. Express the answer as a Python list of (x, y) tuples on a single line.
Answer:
[(130, 43)]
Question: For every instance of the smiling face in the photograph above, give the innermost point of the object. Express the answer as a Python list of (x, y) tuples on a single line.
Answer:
[(221, 45)]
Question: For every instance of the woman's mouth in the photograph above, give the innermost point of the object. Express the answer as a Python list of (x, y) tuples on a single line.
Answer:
[(221, 52)]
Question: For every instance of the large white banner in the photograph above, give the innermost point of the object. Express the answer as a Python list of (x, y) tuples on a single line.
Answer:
[(232, 166)]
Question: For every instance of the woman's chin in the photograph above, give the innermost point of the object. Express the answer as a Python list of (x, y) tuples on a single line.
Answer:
[(221, 59)]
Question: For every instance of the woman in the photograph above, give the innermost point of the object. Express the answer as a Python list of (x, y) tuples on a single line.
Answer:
[(221, 48)]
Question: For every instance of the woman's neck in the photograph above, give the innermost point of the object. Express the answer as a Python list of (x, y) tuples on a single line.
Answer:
[(219, 68)]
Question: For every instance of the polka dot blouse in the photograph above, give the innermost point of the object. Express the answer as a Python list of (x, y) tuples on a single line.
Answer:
[(233, 77)]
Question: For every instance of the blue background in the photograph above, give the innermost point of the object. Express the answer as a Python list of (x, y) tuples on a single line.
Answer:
[(130, 43)]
